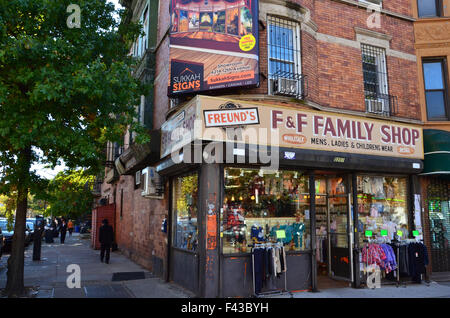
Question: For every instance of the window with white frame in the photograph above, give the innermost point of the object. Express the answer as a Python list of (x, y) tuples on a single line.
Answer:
[(376, 90), (284, 57), (140, 46)]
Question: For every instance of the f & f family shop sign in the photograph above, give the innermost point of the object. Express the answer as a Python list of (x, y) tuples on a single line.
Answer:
[(213, 45), (298, 128)]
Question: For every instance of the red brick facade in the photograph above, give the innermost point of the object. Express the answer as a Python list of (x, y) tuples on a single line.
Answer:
[(331, 59)]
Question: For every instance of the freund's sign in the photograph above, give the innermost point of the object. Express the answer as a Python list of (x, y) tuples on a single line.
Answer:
[(264, 124)]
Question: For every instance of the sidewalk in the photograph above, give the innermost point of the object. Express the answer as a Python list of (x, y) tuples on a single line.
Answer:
[(48, 277), (431, 290)]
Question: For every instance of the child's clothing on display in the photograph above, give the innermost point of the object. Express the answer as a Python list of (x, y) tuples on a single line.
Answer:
[(298, 229)]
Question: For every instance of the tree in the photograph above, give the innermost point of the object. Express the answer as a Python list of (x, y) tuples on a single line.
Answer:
[(64, 91), (70, 194)]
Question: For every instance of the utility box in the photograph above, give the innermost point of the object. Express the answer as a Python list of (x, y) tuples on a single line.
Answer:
[(98, 215)]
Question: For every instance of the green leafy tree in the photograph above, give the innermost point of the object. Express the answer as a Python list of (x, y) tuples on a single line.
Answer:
[(64, 91), (70, 194)]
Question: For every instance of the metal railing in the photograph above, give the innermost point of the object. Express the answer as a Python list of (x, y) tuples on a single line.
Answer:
[(112, 152), (382, 104)]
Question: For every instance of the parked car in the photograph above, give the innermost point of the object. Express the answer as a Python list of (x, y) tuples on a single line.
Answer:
[(29, 232), (1, 242), (8, 236), (86, 227)]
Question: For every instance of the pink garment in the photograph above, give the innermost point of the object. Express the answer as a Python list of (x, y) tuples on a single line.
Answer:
[(374, 254)]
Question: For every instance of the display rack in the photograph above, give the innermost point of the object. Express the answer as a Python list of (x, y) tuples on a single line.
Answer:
[(397, 244), (270, 292), (383, 241)]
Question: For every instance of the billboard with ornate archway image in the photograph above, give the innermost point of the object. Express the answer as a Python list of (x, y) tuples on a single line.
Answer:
[(213, 45)]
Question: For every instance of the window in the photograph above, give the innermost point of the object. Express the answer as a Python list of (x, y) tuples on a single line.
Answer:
[(265, 206), (140, 46), (375, 80), (184, 209), (284, 57), (382, 205), (429, 8), (436, 93)]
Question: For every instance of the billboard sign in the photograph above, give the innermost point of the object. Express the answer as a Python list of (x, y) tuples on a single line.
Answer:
[(213, 45)]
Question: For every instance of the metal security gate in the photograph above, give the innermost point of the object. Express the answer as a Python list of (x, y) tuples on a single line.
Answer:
[(438, 201)]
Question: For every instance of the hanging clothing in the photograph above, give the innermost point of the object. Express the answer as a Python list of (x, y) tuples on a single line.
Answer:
[(373, 255), (390, 263), (418, 259), (258, 264), (298, 229), (257, 233)]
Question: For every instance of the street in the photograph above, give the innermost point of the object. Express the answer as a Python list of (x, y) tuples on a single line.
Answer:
[(48, 278), (122, 278)]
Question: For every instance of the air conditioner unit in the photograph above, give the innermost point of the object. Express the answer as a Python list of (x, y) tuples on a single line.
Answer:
[(153, 184), (119, 166), (377, 106), (377, 2), (287, 86)]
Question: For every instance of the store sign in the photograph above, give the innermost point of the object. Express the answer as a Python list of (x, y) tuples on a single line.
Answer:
[(289, 127), (231, 117), (306, 129), (178, 130), (213, 45)]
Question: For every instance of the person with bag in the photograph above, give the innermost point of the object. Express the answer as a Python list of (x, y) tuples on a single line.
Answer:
[(106, 238)]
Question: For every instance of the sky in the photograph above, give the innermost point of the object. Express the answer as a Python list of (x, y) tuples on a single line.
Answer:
[(51, 173)]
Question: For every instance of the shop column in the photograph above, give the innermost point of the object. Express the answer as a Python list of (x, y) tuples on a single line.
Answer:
[(210, 190)]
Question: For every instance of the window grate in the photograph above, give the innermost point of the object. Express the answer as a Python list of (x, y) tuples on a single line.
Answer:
[(285, 58), (376, 88)]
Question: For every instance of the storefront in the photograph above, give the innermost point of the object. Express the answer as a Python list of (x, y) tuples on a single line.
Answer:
[(435, 181), (281, 201)]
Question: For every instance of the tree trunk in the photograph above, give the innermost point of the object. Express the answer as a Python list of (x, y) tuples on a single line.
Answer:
[(15, 275)]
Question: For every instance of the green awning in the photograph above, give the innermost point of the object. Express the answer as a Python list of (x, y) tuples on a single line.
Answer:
[(437, 152)]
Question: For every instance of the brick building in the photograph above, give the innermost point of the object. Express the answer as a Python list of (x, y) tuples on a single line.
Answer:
[(345, 71), (432, 45)]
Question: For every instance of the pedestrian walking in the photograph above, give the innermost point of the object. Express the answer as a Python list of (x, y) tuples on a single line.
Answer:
[(63, 230), (70, 227), (106, 238)]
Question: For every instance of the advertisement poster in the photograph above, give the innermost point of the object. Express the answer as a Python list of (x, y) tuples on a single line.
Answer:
[(213, 45)]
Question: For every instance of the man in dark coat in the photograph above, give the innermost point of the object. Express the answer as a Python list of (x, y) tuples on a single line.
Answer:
[(63, 230), (106, 238)]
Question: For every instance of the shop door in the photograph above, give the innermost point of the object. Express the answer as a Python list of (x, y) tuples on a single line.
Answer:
[(340, 239)]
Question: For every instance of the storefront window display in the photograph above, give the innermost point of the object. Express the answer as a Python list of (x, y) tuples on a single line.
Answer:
[(185, 195), (382, 207), (265, 206)]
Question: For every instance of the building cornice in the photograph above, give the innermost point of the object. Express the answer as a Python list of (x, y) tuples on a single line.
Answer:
[(369, 6), (313, 105)]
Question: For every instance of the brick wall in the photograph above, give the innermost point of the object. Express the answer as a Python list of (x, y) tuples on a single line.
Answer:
[(139, 233)]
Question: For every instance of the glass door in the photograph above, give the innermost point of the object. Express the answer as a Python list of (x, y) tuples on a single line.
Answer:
[(340, 241)]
